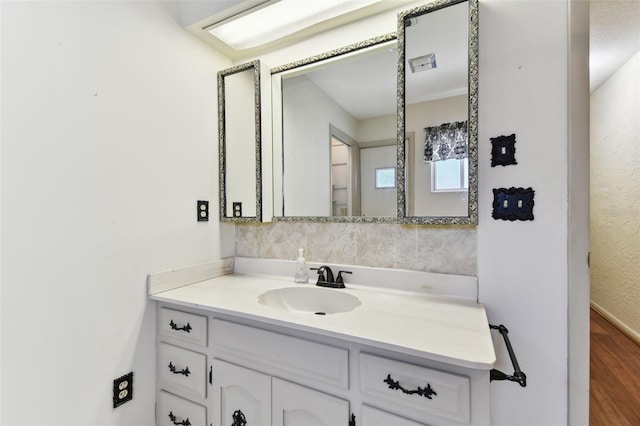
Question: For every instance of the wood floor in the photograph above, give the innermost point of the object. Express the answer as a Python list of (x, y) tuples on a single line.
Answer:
[(615, 376)]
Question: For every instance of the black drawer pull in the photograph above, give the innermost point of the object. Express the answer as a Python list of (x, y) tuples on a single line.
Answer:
[(187, 328), (185, 371), (238, 418), (427, 392), (183, 423)]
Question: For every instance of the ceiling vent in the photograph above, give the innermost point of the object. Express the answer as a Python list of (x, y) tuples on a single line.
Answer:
[(423, 63)]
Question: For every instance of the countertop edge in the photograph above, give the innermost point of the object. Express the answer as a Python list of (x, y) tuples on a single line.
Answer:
[(476, 365)]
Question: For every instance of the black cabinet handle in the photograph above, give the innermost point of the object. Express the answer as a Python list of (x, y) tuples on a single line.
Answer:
[(518, 375), (185, 371), (238, 418), (427, 392), (186, 328), (183, 423)]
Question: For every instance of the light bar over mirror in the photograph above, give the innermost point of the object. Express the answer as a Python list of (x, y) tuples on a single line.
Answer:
[(278, 19)]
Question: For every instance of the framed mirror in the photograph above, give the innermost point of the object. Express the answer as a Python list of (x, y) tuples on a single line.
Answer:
[(335, 135), (240, 143), (438, 113)]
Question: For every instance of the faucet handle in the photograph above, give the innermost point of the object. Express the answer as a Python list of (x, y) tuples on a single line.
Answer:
[(339, 279), (321, 276)]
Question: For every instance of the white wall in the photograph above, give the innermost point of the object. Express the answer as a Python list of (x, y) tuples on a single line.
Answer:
[(109, 136), (377, 201), (615, 196), (417, 117), (524, 268), (378, 128), (308, 113)]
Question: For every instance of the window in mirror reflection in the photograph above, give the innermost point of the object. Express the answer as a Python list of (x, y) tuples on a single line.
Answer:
[(450, 175), (386, 178)]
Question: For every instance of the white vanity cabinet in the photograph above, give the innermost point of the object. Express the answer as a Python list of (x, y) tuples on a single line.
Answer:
[(247, 372)]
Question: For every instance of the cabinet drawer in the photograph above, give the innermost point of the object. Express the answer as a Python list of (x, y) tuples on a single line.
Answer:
[(286, 356), (374, 417), (173, 410), (184, 326), (410, 390), (183, 369)]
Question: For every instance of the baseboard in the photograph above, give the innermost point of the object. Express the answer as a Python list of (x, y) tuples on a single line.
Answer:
[(633, 335)]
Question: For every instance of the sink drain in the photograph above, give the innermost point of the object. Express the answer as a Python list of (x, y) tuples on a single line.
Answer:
[(320, 313)]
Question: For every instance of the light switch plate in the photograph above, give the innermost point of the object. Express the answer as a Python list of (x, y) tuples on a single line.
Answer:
[(503, 150), (513, 203)]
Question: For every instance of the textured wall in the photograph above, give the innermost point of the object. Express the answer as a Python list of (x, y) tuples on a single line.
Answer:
[(449, 250), (615, 195)]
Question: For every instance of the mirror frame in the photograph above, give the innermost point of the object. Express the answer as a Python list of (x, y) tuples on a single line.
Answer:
[(311, 60), (472, 218), (222, 141)]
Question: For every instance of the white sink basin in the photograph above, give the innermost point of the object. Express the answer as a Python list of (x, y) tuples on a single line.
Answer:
[(315, 300)]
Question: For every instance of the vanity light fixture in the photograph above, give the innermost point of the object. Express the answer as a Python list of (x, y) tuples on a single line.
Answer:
[(280, 19), (423, 63)]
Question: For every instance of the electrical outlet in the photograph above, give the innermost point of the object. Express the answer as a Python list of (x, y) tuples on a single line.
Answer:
[(122, 389), (237, 209), (203, 211)]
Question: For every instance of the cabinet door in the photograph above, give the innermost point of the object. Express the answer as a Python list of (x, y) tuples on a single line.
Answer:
[(295, 405), (374, 417), (240, 394)]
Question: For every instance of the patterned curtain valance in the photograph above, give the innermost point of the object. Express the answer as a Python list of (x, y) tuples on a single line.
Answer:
[(446, 141)]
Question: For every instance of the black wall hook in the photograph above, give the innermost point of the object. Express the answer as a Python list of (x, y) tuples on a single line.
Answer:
[(518, 375)]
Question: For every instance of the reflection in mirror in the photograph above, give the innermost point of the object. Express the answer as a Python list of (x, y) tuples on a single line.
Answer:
[(240, 143), (437, 119), (337, 127)]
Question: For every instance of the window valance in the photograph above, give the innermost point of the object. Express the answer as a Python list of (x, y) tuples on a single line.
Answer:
[(446, 141)]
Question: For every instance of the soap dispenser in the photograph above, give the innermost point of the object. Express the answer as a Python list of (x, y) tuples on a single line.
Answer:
[(302, 274)]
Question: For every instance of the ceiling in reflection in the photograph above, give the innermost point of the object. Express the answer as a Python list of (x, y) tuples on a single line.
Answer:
[(445, 36)]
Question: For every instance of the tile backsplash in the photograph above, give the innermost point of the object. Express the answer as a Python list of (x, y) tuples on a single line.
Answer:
[(442, 249)]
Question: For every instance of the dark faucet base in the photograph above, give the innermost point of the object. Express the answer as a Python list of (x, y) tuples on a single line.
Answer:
[(330, 285)]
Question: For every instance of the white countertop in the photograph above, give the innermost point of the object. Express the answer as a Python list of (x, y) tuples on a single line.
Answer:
[(447, 329)]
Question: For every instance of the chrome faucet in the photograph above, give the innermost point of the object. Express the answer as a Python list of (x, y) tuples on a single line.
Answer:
[(328, 280)]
